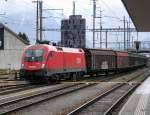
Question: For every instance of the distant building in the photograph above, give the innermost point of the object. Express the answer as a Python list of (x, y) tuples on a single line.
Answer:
[(11, 46), (73, 32)]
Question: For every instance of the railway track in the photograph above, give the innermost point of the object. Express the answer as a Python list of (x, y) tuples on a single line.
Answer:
[(28, 98), (3, 87), (106, 103), (105, 78), (18, 88), (25, 100)]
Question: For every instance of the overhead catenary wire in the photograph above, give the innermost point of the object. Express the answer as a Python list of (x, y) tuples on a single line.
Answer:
[(17, 22), (109, 8), (58, 18)]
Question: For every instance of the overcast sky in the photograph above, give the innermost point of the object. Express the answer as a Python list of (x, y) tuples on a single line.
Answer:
[(20, 16)]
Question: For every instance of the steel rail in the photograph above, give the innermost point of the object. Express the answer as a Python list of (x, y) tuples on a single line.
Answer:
[(49, 95), (119, 101), (94, 100)]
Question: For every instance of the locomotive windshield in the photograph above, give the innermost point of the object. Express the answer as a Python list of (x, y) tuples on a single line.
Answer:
[(34, 55)]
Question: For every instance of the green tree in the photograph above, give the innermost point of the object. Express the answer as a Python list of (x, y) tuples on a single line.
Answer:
[(24, 36)]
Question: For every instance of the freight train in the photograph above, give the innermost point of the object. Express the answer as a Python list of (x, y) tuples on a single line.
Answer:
[(43, 62)]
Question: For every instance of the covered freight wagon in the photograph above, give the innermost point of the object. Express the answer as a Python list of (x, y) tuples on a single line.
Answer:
[(122, 60), (100, 60), (137, 60)]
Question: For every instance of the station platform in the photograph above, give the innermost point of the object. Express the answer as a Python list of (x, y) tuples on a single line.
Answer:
[(139, 102)]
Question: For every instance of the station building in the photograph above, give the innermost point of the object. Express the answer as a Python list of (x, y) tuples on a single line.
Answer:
[(73, 32), (11, 46)]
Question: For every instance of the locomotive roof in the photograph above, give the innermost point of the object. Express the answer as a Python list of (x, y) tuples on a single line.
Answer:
[(65, 49), (57, 48)]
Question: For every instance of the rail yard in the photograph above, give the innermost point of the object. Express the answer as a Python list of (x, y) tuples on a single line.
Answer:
[(100, 95), (91, 60)]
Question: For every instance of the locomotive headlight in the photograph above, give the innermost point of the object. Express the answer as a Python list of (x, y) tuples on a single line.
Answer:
[(43, 65), (22, 66)]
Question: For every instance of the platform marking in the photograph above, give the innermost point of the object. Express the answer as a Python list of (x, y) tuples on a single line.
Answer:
[(142, 104)]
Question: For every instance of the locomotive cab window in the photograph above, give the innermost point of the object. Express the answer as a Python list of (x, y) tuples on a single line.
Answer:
[(34, 55), (38, 53), (28, 53)]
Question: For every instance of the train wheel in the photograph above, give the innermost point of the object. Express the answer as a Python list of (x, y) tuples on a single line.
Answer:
[(91, 75), (80, 75), (74, 77), (57, 78), (106, 72), (48, 80)]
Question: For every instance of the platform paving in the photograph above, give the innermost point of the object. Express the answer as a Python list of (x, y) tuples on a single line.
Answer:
[(139, 102)]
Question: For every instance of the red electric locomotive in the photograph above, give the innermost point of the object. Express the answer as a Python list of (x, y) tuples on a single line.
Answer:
[(47, 62)]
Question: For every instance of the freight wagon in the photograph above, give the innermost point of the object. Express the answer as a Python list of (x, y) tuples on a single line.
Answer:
[(100, 60)]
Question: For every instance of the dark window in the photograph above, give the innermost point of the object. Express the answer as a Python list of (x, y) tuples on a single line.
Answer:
[(50, 54), (75, 26), (73, 21), (83, 32), (1, 38), (69, 21), (81, 21), (66, 32)]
